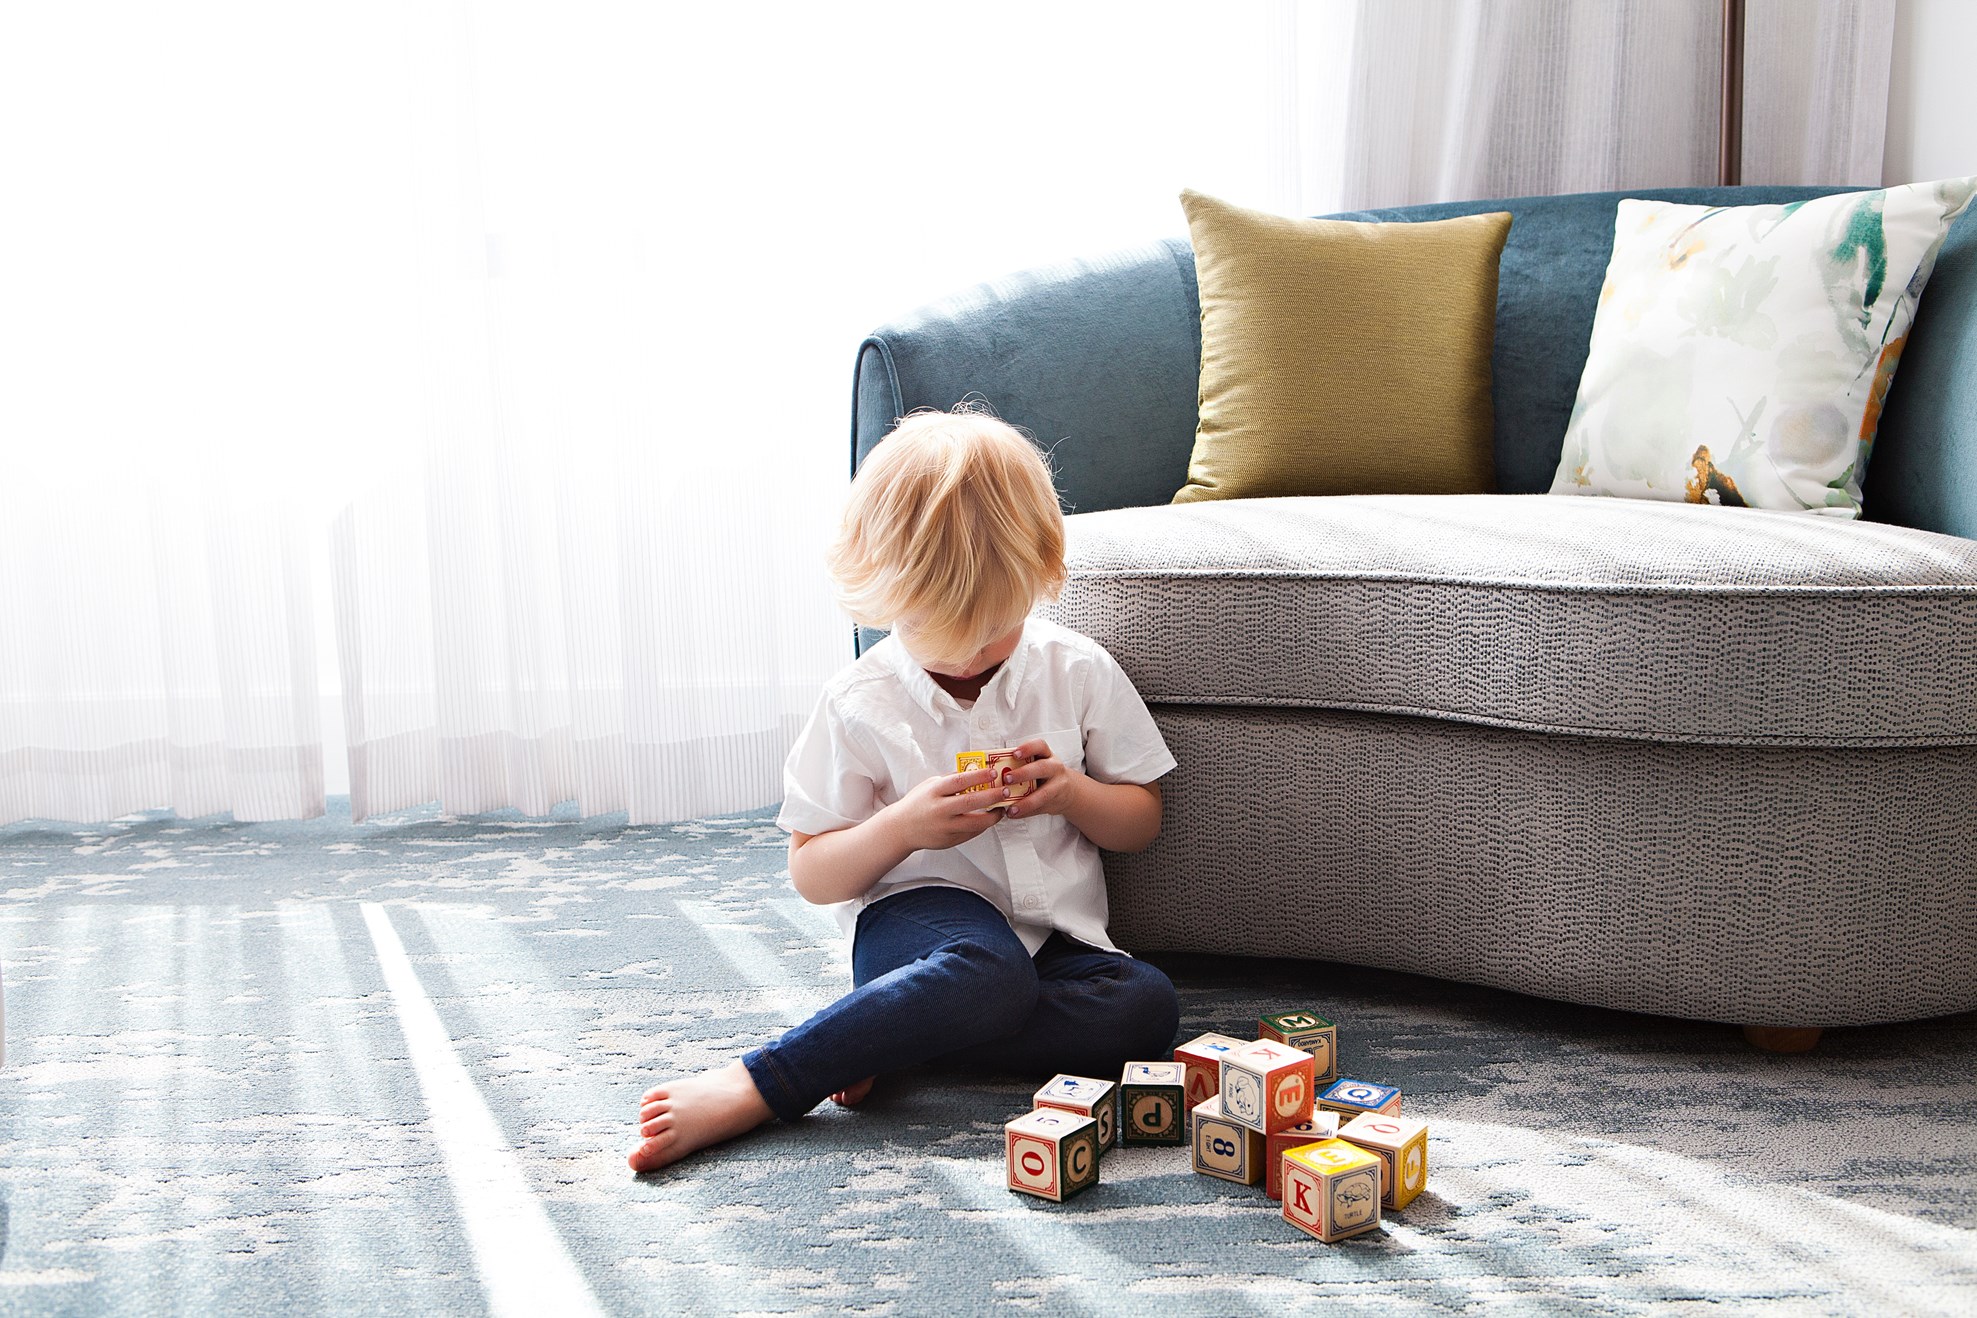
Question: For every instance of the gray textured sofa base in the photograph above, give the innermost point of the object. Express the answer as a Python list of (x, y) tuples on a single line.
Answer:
[(1705, 762)]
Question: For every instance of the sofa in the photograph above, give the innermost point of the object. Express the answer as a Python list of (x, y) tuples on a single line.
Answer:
[(1713, 763)]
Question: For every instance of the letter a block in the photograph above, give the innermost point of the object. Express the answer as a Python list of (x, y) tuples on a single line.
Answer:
[(1349, 1098), (1322, 1126), (1151, 1107), (1332, 1190), (1309, 1031), (1222, 1148), (1203, 1059), (1267, 1086), (1401, 1144), (1086, 1097), (1052, 1154)]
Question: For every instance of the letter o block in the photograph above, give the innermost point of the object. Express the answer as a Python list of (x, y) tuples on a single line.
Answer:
[(1332, 1190), (1267, 1086), (1051, 1154), (1152, 1105), (1401, 1144), (1086, 1097), (1221, 1147)]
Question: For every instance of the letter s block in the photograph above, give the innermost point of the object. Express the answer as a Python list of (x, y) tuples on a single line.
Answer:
[(1087, 1097)]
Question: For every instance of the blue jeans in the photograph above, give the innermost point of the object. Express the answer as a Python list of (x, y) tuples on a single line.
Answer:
[(940, 976)]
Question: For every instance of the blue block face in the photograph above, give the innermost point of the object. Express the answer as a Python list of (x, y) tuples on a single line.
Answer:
[(1359, 1093)]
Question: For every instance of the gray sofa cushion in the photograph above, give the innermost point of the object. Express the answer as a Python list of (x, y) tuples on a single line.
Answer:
[(1597, 617)]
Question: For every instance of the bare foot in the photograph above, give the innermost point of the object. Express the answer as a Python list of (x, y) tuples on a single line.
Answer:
[(681, 1116), (853, 1095)]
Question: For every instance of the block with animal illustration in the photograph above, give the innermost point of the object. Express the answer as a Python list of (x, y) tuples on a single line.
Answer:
[(1309, 1031), (1401, 1144), (1352, 1097), (1152, 1105), (1221, 1147), (1332, 1190), (1321, 1127), (1202, 1056), (1266, 1086), (1051, 1154), (1087, 1097)]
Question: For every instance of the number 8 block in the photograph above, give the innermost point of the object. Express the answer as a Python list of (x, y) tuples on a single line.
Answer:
[(1222, 1148), (1267, 1086)]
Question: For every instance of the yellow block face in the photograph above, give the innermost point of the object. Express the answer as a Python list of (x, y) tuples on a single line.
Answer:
[(1331, 1192)]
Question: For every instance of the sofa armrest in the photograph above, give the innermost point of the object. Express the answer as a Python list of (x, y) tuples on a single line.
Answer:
[(1097, 359)]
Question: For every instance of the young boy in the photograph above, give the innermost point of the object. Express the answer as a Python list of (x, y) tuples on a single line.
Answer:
[(977, 916)]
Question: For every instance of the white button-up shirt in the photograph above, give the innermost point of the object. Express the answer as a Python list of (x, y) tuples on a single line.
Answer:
[(883, 726)]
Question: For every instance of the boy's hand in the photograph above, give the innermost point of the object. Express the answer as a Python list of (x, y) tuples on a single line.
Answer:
[(940, 813), (1056, 781)]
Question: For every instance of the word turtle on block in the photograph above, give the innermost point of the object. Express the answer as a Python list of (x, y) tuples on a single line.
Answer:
[(1221, 1147), (1309, 1031), (1152, 1108), (1401, 1143), (1321, 1127), (1203, 1059), (1332, 1190), (1352, 1097), (1266, 1086), (1052, 1154), (1086, 1097)]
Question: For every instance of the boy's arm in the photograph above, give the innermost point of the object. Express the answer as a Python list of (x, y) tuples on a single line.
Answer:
[(845, 862), (1115, 816)]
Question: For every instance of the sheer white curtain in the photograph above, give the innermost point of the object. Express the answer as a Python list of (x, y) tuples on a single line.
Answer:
[(1446, 100), (650, 239)]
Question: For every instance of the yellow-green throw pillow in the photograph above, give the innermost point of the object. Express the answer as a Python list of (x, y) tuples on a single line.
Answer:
[(1342, 357)]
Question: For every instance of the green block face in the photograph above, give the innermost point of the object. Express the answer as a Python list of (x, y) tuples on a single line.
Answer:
[(1078, 1161), (1152, 1114)]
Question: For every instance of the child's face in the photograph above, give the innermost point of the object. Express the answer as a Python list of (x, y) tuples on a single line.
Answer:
[(983, 659)]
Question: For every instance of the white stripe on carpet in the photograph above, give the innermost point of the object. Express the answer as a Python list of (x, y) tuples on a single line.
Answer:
[(524, 1266)]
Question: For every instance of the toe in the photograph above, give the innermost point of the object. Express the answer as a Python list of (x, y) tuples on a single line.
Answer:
[(650, 1155), (662, 1122), (651, 1110)]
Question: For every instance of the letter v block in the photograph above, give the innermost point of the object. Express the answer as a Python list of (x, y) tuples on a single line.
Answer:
[(1203, 1059)]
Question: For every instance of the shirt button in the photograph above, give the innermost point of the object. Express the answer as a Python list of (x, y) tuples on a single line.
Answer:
[(1032, 902)]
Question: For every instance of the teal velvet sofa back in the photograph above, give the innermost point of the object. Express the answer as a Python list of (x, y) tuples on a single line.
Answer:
[(1099, 359)]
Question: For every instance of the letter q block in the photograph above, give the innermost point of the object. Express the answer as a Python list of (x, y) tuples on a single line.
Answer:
[(1087, 1097), (1051, 1154), (1152, 1109), (1267, 1086), (1401, 1144), (1222, 1148), (1203, 1059), (1332, 1190), (1349, 1098)]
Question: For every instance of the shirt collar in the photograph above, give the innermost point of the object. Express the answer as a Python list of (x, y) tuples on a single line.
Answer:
[(927, 693)]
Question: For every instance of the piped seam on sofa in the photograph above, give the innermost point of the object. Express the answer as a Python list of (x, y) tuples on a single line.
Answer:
[(1535, 587)]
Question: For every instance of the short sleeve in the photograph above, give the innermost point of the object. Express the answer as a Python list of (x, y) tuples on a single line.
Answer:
[(1122, 743), (827, 783)]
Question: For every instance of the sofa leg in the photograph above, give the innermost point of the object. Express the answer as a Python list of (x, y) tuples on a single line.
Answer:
[(1781, 1039)]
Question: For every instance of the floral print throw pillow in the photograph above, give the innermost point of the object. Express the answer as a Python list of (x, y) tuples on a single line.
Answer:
[(1740, 355)]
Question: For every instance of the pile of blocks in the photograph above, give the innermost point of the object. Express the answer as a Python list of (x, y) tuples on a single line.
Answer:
[(1272, 1110)]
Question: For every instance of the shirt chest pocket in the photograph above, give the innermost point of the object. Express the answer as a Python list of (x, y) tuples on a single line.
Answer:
[(1068, 745)]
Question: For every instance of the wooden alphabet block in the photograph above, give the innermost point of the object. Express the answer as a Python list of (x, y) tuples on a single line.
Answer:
[(1321, 1127), (1152, 1106), (1401, 1144), (1051, 1154), (1002, 760), (1266, 1086), (1332, 1190), (1309, 1031), (1221, 1147), (1352, 1097), (1096, 1099), (1203, 1059)]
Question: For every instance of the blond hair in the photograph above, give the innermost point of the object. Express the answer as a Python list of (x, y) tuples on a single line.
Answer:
[(952, 528)]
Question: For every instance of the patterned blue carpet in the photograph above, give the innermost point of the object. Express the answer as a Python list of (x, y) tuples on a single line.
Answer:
[(391, 1068)]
